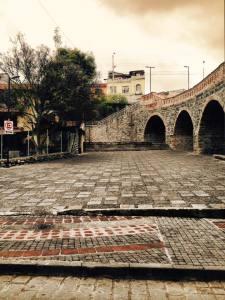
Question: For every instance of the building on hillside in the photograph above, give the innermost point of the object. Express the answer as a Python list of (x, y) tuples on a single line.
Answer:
[(100, 87), (131, 85)]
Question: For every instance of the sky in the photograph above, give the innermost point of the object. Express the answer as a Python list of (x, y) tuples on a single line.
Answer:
[(166, 34)]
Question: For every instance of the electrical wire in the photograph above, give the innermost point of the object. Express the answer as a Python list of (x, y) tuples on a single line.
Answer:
[(54, 21)]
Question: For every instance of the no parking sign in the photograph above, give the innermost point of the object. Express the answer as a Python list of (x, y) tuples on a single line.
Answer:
[(8, 127)]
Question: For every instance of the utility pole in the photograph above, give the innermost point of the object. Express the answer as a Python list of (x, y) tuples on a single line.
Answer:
[(9, 93), (150, 77), (61, 142), (47, 141), (113, 65), (188, 68), (203, 69), (28, 143)]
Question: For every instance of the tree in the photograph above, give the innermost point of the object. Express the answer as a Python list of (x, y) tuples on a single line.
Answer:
[(30, 65), (108, 104), (69, 80), (51, 86)]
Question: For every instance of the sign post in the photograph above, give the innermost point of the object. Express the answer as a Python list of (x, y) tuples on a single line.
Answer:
[(28, 143), (47, 141), (8, 127), (61, 142), (2, 146)]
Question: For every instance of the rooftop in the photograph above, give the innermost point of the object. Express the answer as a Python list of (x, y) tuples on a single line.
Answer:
[(118, 75)]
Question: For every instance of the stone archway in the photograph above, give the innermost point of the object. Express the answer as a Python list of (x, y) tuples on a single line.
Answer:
[(183, 132), (155, 131), (212, 129)]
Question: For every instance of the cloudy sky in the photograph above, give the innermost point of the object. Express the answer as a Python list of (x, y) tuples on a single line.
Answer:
[(167, 34)]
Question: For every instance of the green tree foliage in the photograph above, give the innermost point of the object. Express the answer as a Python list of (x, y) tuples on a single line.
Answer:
[(69, 80), (30, 65), (52, 88), (107, 105)]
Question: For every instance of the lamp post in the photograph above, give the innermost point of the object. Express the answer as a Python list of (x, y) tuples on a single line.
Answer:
[(203, 69), (8, 106), (188, 68), (150, 77), (9, 86), (113, 65)]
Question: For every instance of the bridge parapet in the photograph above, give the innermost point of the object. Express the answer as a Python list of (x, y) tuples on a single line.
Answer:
[(216, 77), (153, 102)]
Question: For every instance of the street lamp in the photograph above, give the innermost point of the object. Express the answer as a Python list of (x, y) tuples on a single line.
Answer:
[(150, 76), (203, 69), (113, 65), (188, 68), (9, 86)]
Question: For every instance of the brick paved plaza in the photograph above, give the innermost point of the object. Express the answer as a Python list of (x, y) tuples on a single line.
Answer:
[(142, 179), (31, 232), (158, 240), (38, 288)]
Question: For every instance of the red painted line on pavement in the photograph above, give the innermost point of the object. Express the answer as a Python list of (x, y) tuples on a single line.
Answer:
[(57, 252), (220, 225)]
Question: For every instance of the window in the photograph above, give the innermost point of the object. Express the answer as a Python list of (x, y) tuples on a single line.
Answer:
[(112, 89), (138, 89), (125, 89)]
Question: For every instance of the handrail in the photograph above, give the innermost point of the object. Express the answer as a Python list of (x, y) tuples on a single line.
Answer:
[(215, 77)]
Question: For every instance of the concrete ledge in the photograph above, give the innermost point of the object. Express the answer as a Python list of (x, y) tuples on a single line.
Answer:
[(115, 270), (150, 212), (35, 158), (125, 146), (158, 211), (219, 156)]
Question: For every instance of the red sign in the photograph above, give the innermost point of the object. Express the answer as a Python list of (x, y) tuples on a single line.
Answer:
[(8, 127)]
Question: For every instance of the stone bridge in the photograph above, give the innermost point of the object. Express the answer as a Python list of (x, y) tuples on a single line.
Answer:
[(193, 120)]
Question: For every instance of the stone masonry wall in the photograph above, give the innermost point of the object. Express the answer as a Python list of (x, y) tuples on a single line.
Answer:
[(128, 125)]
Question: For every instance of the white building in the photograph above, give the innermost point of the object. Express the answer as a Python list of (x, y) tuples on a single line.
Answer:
[(131, 85)]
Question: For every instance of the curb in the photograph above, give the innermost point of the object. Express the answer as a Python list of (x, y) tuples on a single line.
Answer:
[(158, 212), (207, 213), (219, 156), (116, 270), (18, 161)]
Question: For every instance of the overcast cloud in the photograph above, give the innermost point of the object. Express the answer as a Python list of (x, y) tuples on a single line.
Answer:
[(167, 34), (199, 21)]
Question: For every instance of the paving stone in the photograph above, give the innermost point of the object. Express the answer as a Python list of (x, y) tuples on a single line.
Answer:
[(133, 178), (99, 288), (115, 239)]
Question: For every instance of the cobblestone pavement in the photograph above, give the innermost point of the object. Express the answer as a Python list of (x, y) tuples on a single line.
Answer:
[(141, 179), (115, 239), (37, 288)]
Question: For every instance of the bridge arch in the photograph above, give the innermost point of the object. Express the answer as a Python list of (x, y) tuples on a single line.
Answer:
[(183, 132), (211, 134), (155, 131)]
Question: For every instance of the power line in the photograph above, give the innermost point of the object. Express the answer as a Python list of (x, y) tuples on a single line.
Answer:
[(54, 21)]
